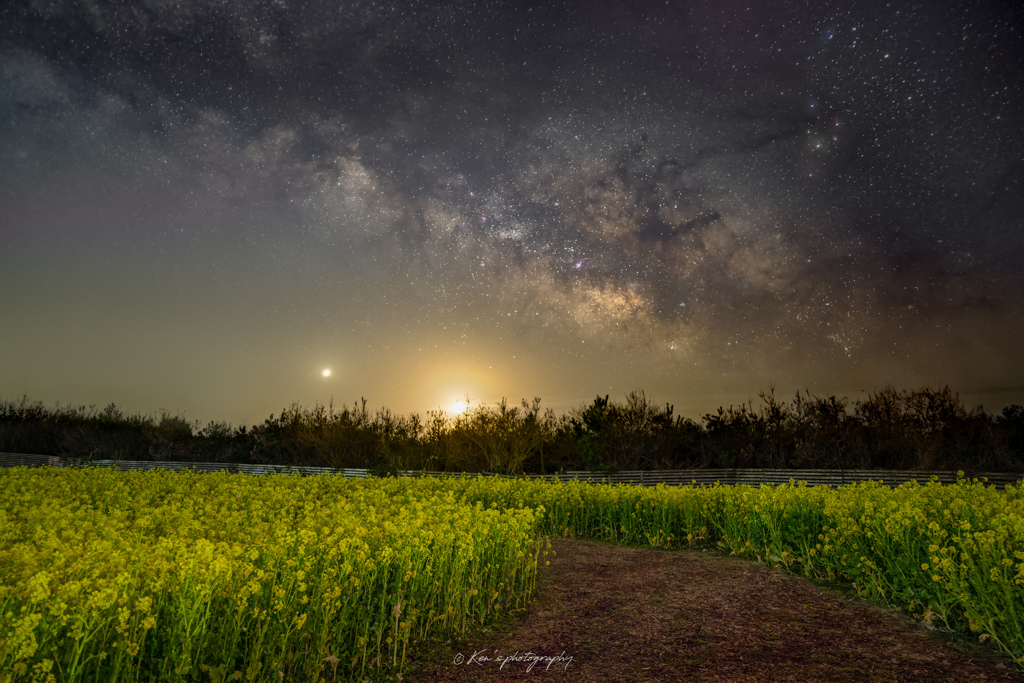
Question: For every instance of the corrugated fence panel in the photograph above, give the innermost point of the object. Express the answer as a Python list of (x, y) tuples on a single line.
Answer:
[(17, 459), (750, 477), (25, 460)]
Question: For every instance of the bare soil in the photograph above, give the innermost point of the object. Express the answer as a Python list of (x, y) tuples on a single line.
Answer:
[(630, 614)]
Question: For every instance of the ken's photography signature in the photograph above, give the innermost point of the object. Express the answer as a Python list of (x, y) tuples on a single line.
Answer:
[(531, 659)]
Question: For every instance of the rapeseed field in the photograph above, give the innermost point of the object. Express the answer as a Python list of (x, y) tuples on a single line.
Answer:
[(125, 576)]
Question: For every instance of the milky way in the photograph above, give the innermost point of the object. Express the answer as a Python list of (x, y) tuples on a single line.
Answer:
[(205, 204)]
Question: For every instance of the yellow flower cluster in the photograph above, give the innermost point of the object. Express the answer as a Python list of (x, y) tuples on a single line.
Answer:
[(125, 576)]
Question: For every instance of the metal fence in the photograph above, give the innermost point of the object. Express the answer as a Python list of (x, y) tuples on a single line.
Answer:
[(20, 459), (751, 477)]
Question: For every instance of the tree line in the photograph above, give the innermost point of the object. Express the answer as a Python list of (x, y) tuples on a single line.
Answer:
[(889, 429)]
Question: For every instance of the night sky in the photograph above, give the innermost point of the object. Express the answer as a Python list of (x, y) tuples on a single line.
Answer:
[(204, 205)]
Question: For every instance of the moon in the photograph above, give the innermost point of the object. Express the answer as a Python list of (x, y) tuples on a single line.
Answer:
[(459, 407), (327, 373)]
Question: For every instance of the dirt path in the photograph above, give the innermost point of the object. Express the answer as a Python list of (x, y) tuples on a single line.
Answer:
[(626, 614)]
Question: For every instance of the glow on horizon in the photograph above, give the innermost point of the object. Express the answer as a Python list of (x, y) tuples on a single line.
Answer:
[(459, 407)]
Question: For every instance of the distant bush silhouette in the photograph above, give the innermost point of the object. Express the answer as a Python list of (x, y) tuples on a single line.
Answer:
[(888, 429)]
